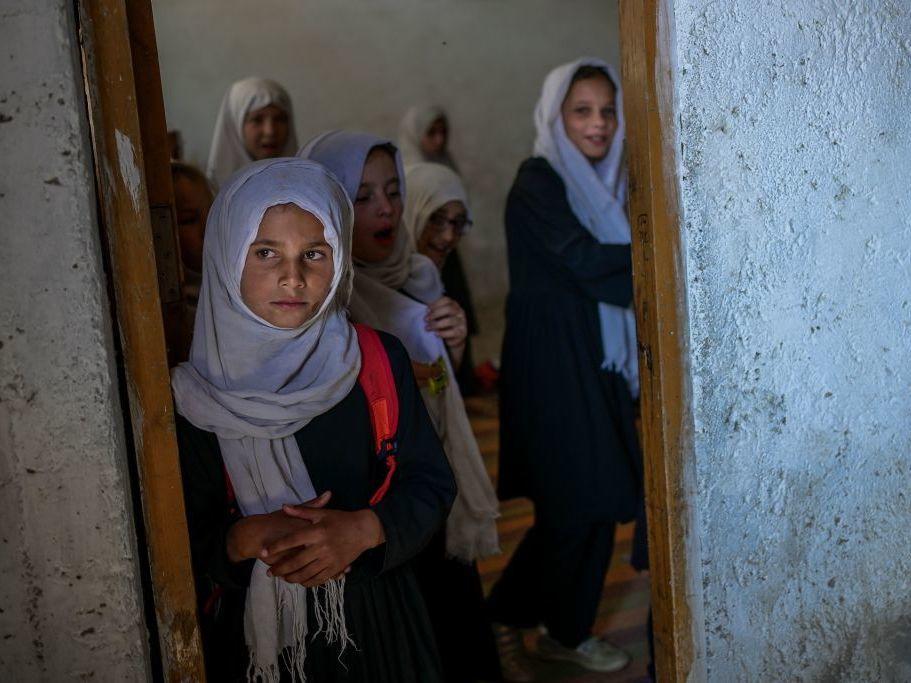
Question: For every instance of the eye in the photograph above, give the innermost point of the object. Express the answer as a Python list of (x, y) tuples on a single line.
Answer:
[(361, 199), (314, 255), (582, 110), (265, 253)]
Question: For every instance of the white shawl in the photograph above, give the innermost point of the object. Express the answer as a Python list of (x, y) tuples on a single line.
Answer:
[(597, 195), (254, 385), (228, 153), (471, 530)]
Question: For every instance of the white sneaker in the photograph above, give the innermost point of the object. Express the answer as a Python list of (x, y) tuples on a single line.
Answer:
[(594, 654)]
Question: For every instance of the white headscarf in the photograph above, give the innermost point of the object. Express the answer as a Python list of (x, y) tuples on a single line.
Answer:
[(254, 385), (471, 530), (597, 195), (413, 126), (430, 186), (228, 153)]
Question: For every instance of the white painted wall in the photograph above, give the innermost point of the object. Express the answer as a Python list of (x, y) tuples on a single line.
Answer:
[(362, 63), (70, 606), (796, 187)]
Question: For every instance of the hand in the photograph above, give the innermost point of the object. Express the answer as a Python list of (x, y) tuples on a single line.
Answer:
[(247, 537), (332, 540), (446, 319)]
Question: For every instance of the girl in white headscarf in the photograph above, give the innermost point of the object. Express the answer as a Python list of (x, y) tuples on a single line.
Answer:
[(399, 291), (256, 121), (424, 136), (569, 376), (270, 399)]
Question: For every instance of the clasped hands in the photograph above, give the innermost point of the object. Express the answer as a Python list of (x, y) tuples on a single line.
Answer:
[(308, 544)]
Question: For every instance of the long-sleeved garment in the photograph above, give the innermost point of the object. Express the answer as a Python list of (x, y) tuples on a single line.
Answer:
[(567, 428), (385, 613)]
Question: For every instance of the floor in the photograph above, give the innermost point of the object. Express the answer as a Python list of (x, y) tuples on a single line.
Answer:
[(623, 612)]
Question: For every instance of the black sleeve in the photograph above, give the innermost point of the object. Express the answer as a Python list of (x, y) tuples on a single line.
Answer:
[(423, 486), (209, 514), (537, 210)]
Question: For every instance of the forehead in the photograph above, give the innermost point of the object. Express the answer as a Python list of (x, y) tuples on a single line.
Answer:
[(268, 110), (289, 222), (379, 167), (597, 88)]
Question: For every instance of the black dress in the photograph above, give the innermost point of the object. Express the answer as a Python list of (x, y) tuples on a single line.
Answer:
[(567, 429), (385, 613), (455, 284)]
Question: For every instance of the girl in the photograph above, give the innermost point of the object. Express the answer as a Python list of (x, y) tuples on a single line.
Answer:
[(424, 137), (436, 211), (398, 290), (278, 456), (255, 122), (569, 376)]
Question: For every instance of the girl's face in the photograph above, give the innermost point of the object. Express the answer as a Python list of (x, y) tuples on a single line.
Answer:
[(434, 139), (288, 271), (377, 208), (266, 132), (443, 231), (590, 116), (192, 199)]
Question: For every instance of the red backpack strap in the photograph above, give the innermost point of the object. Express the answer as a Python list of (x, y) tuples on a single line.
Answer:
[(378, 384)]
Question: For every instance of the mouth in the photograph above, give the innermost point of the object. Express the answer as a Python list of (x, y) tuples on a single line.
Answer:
[(268, 146), (385, 236), (289, 304), (597, 140)]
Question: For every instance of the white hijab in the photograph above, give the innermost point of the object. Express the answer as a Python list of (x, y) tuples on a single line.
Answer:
[(228, 153), (471, 530), (430, 186), (414, 124), (254, 385), (597, 195)]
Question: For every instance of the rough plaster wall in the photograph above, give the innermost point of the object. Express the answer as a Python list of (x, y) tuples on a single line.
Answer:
[(362, 63), (796, 186), (69, 597)]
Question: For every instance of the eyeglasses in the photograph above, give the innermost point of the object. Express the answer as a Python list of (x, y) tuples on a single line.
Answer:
[(439, 222)]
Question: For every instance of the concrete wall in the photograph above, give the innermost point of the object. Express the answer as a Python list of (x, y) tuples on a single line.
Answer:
[(796, 186), (361, 64), (69, 594)]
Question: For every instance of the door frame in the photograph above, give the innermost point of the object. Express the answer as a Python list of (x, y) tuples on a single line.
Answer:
[(659, 292)]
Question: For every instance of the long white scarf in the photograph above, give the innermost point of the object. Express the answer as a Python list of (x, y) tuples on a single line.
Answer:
[(254, 385), (471, 530), (228, 153), (597, 195)]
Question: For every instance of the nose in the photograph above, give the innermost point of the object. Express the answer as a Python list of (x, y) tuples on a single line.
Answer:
[(384, 205), (449, 234), (268, 127), (293, 274)]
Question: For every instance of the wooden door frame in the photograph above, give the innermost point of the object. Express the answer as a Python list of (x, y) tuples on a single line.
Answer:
[(126, 109), (133, 184), (647, 65)]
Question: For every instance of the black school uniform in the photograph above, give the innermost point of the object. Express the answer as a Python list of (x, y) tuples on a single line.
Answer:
[(385, 613), (567, 428)]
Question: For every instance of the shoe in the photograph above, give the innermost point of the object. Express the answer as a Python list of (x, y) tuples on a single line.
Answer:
[(514, 662), (594, 654)]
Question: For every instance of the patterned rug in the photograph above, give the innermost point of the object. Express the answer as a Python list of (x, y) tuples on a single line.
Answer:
[(623, 612)]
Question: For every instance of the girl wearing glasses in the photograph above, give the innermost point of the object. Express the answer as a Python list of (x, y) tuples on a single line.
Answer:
[(399, 291)]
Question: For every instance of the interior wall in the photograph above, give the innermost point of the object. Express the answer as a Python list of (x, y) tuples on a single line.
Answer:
[(361, 64), (796, 188), (70, 605)]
